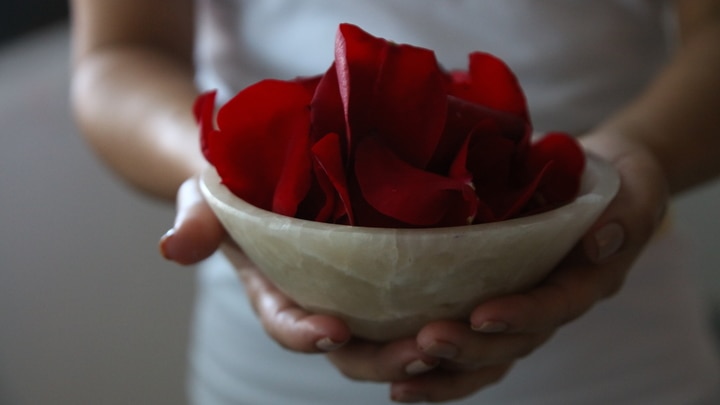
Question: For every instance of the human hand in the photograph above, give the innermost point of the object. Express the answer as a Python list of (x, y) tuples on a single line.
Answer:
[(197, 234), (449, 360)]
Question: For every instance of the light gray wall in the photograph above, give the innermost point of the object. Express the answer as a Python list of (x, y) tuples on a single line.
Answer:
[(89, 312), (698, 214)]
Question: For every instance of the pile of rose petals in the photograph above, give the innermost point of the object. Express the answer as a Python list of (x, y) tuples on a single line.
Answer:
[(387, 138)]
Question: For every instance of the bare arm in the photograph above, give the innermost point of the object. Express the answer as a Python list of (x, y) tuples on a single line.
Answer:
[(665, 141), (133, 89), (678, 117), (669, 138)]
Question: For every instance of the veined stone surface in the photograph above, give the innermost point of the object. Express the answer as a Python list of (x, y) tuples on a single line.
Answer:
[(388, 283)]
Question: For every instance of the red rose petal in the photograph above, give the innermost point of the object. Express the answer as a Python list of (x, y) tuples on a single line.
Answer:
[(326, 108), (328, 155), (517, 201), (319, 204), (386, 138), (562, 182), (465, 118), (204, 110), (397, 92), (491, 155), (491, 83), (294, 180), (403, 192), (498, 169), (310, 83), (459, 170), (253, 147)]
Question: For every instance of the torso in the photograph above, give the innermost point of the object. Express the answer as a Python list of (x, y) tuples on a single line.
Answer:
[(578, 61)]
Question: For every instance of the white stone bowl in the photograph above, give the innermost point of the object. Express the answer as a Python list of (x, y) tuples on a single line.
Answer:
[(388, 283)]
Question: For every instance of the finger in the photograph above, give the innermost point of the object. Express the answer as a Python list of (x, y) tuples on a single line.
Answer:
[(597, 268), (382, 362), (440, 385), (469, 350), (197, 233), (567, 294), (640, 204), (286, 322)]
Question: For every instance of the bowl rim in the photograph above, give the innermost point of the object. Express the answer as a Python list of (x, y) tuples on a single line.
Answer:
[(600, 180)]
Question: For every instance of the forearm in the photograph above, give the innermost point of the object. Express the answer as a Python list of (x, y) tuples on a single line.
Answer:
[(133, 88), (134, 107), (678, 117)]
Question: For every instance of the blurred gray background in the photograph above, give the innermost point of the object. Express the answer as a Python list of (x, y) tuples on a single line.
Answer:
[(89, 312)]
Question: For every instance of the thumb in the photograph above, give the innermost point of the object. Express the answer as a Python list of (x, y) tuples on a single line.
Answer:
[(639, 206), (197, 233)]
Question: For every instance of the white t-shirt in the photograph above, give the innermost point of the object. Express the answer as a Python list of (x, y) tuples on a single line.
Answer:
[(578, 61)]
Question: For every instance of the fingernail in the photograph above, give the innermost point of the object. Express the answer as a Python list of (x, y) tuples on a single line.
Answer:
[(327, 345), (491, 327), (608, 241), (418, 366), (165, 245), (443, 350)]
